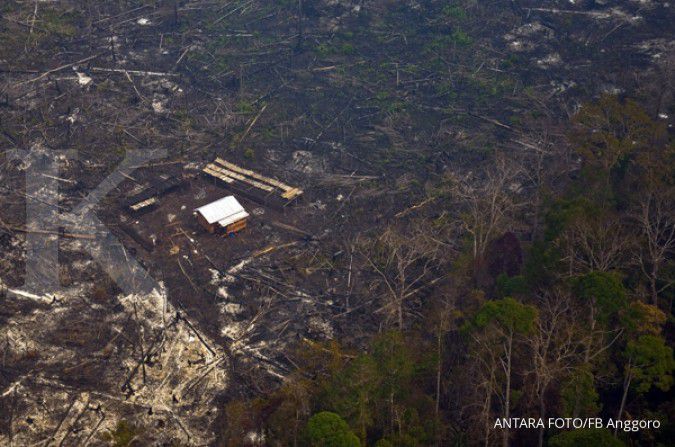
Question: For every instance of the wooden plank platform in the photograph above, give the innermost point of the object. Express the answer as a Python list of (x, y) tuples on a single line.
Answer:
[(246, 181)]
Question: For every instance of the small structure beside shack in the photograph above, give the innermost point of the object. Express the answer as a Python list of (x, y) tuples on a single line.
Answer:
[(226, 213), (149, 197)]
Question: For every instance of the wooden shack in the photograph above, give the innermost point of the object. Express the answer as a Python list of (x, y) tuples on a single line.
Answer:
[(225, 214)]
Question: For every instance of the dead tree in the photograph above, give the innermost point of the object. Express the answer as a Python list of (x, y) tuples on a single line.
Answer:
[(487, 204), (595, 244), (404, 264), (543, 159), (656, 223), (554, 346)]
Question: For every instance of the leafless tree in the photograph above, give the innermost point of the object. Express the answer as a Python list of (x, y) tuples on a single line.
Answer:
[(545, 159), (488, 202), (554, 348), (493, 353), (656, 222), (595, 244), (404, 264)]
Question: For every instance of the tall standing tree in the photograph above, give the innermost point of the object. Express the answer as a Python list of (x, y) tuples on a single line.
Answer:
[(598, 242), (554, 346), (603, 296), (649, 362), (647, 359), (496, 329), (655, 217), (404, 264), (487, 204)]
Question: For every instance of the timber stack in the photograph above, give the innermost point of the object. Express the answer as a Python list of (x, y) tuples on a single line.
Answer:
[(259, 188)]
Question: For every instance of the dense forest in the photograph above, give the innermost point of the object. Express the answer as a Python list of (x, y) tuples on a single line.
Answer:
[(487, 234)]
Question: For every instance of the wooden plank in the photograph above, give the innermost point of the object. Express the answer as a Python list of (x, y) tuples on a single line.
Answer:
[(143, 204), (219, 177), (275, 196), (256, 195), (254, 175), (292, 193), (217, 174), (244, 179)]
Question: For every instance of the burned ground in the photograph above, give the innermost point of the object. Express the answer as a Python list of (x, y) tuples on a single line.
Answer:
[(365, 105)]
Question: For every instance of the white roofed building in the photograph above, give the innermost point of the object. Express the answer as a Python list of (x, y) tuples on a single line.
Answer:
[(226, 213)]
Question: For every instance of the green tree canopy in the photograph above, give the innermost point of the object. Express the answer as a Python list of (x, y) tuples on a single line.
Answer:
[(326, 429), (588, 437), (623, 148), (641, 319), (651, 363), (605, 291), (609, 130), (352, 392), (513, 316), (381, 386), (578, 391)]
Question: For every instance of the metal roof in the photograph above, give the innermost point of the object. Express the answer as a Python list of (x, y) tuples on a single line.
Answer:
[(224, 211), (233, 218)]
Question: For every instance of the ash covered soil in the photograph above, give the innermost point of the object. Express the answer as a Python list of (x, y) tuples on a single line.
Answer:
[(362, 104)]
